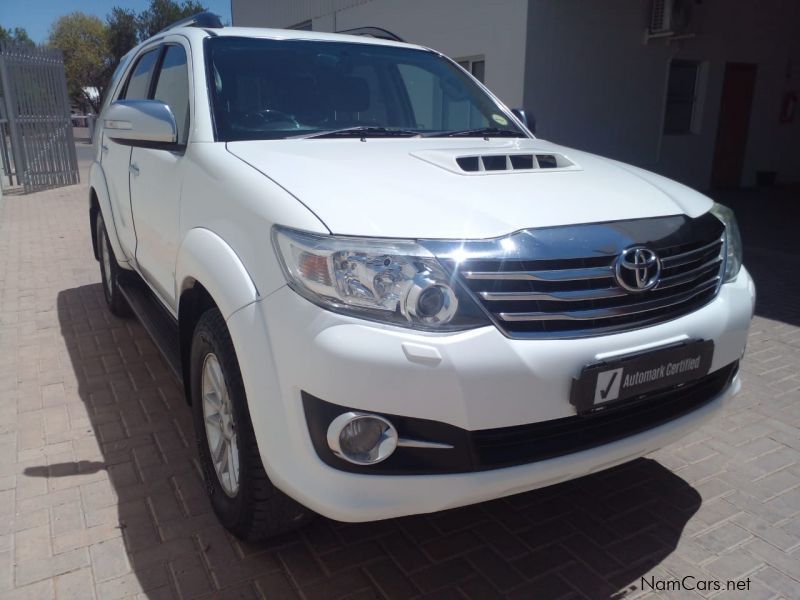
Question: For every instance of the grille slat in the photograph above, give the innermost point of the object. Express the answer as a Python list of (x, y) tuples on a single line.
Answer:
[(681, 278), (566, 296), (555, 275), (684, 258), (611, 312), (549, 290)]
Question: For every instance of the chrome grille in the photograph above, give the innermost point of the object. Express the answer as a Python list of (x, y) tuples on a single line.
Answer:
[(535, 293)]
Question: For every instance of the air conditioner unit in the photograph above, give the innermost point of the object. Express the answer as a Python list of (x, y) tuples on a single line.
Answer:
[(669, 19), (661, 17)]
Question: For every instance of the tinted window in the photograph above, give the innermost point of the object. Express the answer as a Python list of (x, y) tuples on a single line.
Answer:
[(139, 82), (269, 89), (172, 88), (681, 95)]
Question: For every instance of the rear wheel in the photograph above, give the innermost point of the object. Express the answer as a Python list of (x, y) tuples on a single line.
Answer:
[(242, 496), (109, 272)]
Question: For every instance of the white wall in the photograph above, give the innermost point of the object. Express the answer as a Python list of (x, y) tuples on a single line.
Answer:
[(592, 83), (495, 29)]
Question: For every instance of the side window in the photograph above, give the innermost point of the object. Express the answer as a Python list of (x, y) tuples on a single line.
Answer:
[(172, 88), (139, 82), (682, 97)]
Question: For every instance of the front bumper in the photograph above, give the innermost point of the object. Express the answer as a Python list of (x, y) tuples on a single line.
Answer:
[(473, 380)]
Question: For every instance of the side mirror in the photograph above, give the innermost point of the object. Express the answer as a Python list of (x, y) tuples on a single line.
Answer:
[(528, 120), (148, 123)]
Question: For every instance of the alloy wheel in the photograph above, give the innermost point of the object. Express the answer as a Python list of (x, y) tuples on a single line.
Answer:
[(220, 426)]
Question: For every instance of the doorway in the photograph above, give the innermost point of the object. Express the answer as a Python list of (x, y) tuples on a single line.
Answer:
[(734, 123)]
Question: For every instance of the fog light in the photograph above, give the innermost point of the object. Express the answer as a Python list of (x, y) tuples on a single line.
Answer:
[(361, 438)]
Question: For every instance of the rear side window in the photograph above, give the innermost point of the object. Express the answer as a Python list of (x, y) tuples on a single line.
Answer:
[(139, 82), (172, 88)]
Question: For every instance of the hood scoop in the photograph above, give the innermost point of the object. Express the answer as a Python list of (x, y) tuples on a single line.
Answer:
[(497, 162)]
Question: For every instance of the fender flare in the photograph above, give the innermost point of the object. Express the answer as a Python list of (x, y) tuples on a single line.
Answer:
[(206, 258), (97, 179)]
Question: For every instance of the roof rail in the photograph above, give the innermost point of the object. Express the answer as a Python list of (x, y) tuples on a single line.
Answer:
[(204, 20), (376, 32)]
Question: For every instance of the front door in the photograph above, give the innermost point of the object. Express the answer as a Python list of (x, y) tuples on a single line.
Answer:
[(115, 158), (156, 181), (734, 122)]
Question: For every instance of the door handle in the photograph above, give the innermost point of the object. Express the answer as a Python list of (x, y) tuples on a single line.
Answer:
[(104, 147), (134, 169)]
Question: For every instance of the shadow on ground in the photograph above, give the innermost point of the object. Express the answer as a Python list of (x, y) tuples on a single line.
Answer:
[(768, 219), (592, 537)]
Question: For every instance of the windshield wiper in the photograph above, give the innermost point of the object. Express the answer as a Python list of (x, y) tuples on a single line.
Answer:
[(358, 131), (479, 132)]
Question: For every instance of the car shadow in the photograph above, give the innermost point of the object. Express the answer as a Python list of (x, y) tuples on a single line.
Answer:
[(591, 537)]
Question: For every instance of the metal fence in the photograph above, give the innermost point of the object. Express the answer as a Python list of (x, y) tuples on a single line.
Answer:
[(37, 149)]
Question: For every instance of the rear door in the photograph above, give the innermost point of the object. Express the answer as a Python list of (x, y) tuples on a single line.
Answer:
[(115, 157), (157, 177)]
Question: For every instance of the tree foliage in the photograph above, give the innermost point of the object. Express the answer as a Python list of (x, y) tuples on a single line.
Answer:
[(83, 39), (92, 48), (18, 35), (122, 33), (164, 12)]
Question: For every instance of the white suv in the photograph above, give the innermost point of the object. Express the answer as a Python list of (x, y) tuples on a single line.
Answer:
[(384, 295)]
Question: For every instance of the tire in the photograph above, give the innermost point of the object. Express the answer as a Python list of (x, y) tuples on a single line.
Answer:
[(245, 501), (110, 272)]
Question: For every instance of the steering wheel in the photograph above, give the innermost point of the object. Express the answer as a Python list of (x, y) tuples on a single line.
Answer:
[(267, 116)]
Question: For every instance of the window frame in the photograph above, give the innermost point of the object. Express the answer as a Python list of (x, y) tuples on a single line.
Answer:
[(159, 46), (157, 75), (123, 92), (697, 99)]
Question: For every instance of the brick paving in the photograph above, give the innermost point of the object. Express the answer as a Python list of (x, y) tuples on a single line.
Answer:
[(100, 495)]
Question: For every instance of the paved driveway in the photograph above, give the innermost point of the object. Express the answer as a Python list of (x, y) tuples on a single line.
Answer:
[(100, 494)]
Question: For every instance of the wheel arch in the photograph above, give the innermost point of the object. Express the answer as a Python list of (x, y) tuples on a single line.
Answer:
[(208, 274), (100, 203), (194, 301), (94, 210)]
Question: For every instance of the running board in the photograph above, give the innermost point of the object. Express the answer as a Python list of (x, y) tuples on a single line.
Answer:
[(157, 322)]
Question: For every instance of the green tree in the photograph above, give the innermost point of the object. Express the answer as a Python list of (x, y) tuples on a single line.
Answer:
[(84, 42), (164, 12), (122, 34), (17, 35)]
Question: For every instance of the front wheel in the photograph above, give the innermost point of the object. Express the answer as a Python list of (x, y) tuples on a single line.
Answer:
[(242, 496)]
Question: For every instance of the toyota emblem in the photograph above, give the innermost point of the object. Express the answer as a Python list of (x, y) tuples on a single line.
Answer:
[(638, 269)]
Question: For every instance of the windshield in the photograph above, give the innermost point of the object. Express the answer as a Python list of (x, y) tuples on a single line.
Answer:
[(273, 89)]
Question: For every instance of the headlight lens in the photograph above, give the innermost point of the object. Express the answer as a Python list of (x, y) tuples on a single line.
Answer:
[(733, 240), (395, 281)]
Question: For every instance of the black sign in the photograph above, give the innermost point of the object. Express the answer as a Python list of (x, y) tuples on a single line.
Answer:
[(631, 376)]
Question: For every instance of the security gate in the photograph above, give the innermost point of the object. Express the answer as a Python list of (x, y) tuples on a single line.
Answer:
[(37, 150)]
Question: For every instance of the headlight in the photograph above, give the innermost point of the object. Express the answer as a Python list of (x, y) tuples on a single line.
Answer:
[(733, 240), (395, 281)]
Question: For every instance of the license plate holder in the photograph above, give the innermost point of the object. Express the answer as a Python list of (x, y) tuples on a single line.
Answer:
[(610, 382)]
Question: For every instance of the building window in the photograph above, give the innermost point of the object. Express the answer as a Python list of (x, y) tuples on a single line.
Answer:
[(475, 65), (682, 97)]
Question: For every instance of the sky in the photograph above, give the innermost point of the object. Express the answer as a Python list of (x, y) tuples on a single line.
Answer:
[(36, 16)]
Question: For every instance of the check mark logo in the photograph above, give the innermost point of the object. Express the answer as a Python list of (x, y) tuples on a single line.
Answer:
[(604, 393)]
